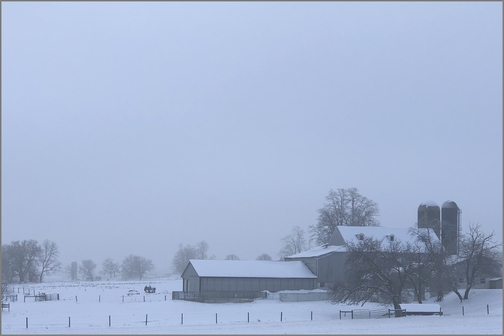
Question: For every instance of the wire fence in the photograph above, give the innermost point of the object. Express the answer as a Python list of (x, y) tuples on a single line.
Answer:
[(98, 319)]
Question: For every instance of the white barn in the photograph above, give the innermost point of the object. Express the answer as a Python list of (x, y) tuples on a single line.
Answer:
[(327, 262)]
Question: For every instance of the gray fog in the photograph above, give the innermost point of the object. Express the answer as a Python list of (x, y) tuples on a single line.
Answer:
[(131, 128)]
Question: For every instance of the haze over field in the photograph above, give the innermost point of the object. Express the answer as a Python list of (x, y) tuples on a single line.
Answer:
[(131, 128)]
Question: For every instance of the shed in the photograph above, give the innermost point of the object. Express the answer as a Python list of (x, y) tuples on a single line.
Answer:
[(246, 276), (495, 283)]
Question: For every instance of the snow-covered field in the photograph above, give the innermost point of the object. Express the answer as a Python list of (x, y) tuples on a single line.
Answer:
[(89, 306)]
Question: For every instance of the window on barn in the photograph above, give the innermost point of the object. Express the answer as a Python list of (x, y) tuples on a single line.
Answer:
[(391, 237), (360, 236)]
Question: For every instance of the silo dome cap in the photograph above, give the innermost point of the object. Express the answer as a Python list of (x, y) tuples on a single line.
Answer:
[(450, 204), (429, 204)]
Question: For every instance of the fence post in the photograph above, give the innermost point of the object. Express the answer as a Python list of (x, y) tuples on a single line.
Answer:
[(389, 313), (488, 309), (27, 323), (76, 299), (99, 298), (215, 318), (144, 298), (462, 310), (182, 318), (165, 297), (123, 298), (352, 314), (281, 316), (145, 317), (311, 315), (109, 320), (68, 321), (248, 317), (369, 313)]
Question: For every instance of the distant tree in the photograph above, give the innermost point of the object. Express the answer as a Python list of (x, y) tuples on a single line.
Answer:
[(136, 266), (232, 257), (184, 253), (110, 267), (201, 250), (343, 207), (181, 258), (87, 268), (24, 257), (293, 243), (478, 250), (264, 256), (48, 259)]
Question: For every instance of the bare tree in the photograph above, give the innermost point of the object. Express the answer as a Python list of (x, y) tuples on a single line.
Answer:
[(48, 259), (293, 243), (87, 269), (232, 257), (110, 267), (7, 264), (264, 256), (343, 207), (184, 253), (201, 250), (181, 258), (24, 256), (426, 259), (478, 250), (373, 269), (134, 265)]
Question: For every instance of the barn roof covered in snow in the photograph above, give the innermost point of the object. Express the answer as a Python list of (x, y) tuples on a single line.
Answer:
[(350, 233), (318, 251), (251, 269)]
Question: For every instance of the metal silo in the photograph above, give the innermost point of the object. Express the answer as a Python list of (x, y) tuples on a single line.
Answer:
[(450, 228), (429, 216)]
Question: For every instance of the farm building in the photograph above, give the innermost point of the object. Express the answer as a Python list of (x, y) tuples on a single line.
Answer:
[(242, 278), (327, 262)]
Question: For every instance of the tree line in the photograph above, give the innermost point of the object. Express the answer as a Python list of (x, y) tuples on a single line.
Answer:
[(30, 261), (200, 252)]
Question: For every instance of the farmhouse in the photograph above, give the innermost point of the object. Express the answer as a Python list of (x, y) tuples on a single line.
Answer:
[(327, 262), (224, 279)]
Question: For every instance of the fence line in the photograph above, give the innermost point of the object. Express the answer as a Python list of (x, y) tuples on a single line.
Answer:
[(217, 318)]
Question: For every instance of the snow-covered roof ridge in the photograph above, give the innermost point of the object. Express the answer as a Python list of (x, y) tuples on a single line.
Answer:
[(349, 233), (251, 268), (317, 251)]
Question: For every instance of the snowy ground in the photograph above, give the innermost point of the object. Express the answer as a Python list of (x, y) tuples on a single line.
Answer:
[(89, 305)]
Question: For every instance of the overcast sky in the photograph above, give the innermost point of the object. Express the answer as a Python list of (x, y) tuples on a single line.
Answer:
[(131, 128)]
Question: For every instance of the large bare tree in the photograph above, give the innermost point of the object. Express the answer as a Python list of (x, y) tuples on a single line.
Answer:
[(372, 269), (48, 259), (87, 268), (136, 266), (24, 258), (293, 243), (479, 254), (110, 267), (343, 207)]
